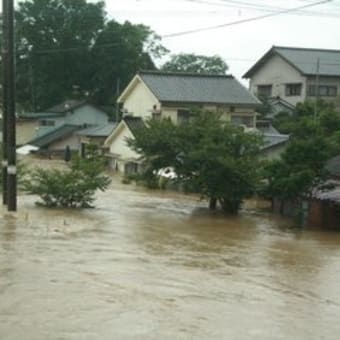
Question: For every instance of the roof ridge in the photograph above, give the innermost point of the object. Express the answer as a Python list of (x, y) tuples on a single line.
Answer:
[(184, 74), (306, 49)]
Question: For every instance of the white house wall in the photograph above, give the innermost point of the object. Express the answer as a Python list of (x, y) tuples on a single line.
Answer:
[(119, 145), (277, 72), (141, 101)]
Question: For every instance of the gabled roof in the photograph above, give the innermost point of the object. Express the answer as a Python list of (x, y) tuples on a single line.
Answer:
[(54, 135), (304, 60), (189, 88), (272, 139), (132, 123), (98, 131), (66, 106)]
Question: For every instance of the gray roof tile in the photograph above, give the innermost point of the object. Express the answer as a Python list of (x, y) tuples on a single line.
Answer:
[(197, 88), (304, 60)]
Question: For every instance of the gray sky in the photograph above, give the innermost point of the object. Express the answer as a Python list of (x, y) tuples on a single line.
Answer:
[(242, 44)]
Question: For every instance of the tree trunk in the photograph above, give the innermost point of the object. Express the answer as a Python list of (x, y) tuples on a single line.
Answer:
[(230, 207), (212, 203)]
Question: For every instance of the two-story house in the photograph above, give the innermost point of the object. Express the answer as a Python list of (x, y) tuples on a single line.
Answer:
[(296, 74), (171, 95), (162, 94)]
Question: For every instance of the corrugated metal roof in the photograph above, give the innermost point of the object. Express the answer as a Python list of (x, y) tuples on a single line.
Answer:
[(98, 131), (304, 60), (197, 88), (54, 135)]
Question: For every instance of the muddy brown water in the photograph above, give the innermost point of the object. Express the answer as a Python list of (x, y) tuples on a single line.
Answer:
[(154, 265)]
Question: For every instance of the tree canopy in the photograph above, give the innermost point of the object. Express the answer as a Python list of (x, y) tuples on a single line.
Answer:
[(65, 44), (196, 64), (216, 158), (314, 130)]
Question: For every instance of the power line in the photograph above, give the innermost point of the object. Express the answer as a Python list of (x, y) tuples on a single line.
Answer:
[(243, 21)]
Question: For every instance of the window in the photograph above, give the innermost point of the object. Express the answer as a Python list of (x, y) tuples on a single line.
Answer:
[(248, 121), (293, 90), (324, 90), (183, 116), (264, 90), (45, 122)]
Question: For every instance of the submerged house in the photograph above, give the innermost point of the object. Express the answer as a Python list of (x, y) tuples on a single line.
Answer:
[(324, 205), (57, 126), (161, 95)]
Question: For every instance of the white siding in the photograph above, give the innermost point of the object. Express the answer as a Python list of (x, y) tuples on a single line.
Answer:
[(119, 148), (277, 72), (141, 101)]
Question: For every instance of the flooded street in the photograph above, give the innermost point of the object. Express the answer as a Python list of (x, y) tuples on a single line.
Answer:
[(153, 265)]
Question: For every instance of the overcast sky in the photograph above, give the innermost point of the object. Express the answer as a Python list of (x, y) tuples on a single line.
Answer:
[(240, 45)]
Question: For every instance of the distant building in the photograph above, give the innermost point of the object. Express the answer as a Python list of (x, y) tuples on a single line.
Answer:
[(296, 74)]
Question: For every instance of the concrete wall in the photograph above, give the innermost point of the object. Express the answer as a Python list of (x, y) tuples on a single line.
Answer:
[(277, 72)]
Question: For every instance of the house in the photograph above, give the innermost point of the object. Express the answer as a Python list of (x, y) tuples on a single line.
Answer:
[(296, 74), (274, 143), (122, 158), (55, 141), (95, 135), (171, 95), (69, 112), (162, 94), (324, 205), (57, 126)]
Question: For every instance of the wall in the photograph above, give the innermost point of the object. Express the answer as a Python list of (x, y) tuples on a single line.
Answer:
[(140, 101), (278, 72), (25, 130), (331, 81), (119, 148)]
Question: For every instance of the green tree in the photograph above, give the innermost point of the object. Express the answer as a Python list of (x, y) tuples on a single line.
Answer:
[(62, 44), (196, 64), (215, 157), (74, 187)]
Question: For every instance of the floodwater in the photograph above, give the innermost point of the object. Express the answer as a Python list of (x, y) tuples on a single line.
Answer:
[(154, 265)]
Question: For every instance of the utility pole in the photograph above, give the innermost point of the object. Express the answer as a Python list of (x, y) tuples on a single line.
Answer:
[(9, 65), (117, 95), (317, 76), (4, 101)]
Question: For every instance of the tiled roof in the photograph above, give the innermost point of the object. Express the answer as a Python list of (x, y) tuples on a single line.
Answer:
[(134, 123), (98, 131), (197, 88), (54, 135), (305, 60)]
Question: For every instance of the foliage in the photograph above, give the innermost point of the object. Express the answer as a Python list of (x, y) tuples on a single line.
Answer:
[(63, 44), (314, 139), (196, 64), (74, 187), (214, 156), (265, 108)]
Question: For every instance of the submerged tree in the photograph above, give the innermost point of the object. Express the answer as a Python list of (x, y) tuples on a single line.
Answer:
[(215, 157), (74, 187)]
